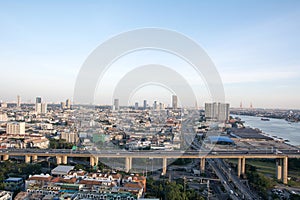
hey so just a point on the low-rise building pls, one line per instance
(13, 184)
(72, 184)
(15, 128)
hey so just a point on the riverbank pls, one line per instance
(276, 128)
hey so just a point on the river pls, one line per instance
(275, 127)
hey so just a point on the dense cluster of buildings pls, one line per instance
(67, 183)
(155, 127)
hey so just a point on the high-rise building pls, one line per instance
(18, 101)
(44, 108)
(174, 102)
(217, 111)
(68, 104)
(145, 105)
(116, 104)
(39, 106)
(38, 100)
(161, 106)
(155, 105)
(63, 105)
(15, 128)
(223, 111)
(136, 106)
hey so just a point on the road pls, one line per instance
(155, 154)
(236, 181)
(228, 187)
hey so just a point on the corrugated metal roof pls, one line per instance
(62, 169)
(215, 139)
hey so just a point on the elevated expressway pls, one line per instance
(62, 156)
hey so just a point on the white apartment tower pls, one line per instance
(15, 128)
(116, 105)
(39, 106)
(217, 111)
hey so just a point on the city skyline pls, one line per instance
(254, 46)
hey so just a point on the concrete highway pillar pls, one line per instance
(243, 166)
(202, 165)
(128, 164)
(27, 159)
(34, 158)
(92, 161)
(285, 170)
(164, 168)
(65, 160)
(58, 160)
(239, 167)
(279, 168)
(5, 157)
(96, 159)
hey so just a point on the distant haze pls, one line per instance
(255, 46)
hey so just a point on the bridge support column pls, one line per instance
(96, 159)
(243, 166)
(202, 165)
(285, 170)
(164, 168)
(279, 168)
(27, 159)
(34, 158)
(65, 160)
(128, 164)
(5, 157)
(93, 161)
(239, 167)
(58, 160)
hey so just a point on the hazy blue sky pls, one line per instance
(254, 44)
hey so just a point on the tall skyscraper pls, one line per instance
(217, 111)
(136, 106)
(44, 108)
(161, 106)
(155, 105)
(63, 105)
(68, 104)
(18, 101)
(174, 102)
(39, 106)
(38, 100)
(116, 104)
(223, 111)
(145, 105)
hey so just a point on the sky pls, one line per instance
(255, 46)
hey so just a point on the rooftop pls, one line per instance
(13, 179)
(62, 170)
